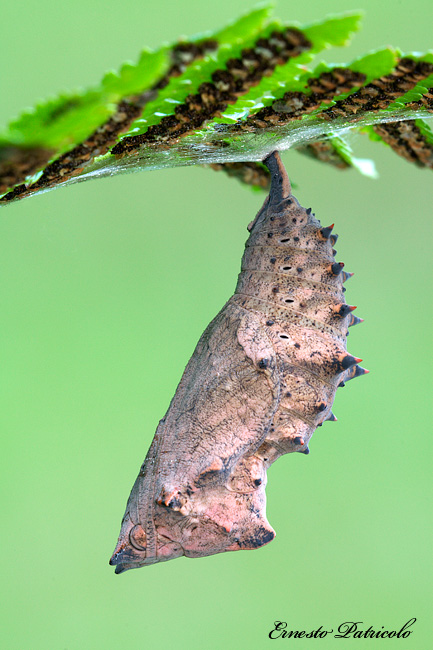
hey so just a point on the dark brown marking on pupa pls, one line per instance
(262, 378)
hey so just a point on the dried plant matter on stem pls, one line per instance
(262, 378)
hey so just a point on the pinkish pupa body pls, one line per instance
(262, 378)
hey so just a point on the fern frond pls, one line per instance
(226, 98)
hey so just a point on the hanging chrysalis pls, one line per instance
(262, 378)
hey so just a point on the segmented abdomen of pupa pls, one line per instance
(262, 378)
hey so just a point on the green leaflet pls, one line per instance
(336, 151)
(374, 65)
(179, 88)
(244, 33)
(242, 28)
(269, 89)
(420, 89)
(426, 131)
(133, 78)
(334, 31)
(410, 139)
(58, 123)
(66, 120)
(365, 166)
(373, 136)
(423, 126)
(331, 32)
(292, 77)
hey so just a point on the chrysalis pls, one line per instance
(262, 378)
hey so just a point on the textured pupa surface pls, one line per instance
(262, 378)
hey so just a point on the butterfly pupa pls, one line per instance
(262, 378)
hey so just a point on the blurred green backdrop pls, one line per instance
(106, 287)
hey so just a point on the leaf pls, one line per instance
(415, 94)
(293, 77)
(375, 64)
(240, 29)
(253, 174)
(226, 97)
(337, 152)
(59, 122)
(69, 118)
(133, 78)
(334, 31)
(244, 33)
(410, 139)
(426, 131)
(363, 165)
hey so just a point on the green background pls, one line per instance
(106, 287)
